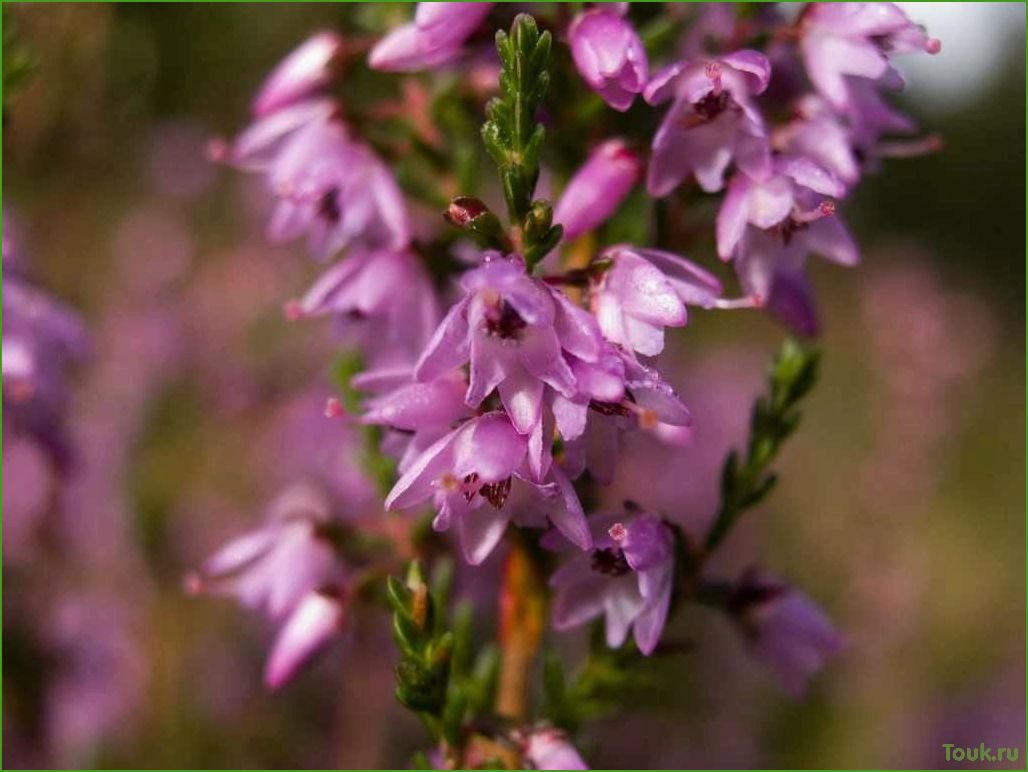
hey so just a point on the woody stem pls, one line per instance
(522, 619)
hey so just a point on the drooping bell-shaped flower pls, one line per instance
(784, 630)
(271, 568)
(597, 189)
(627, 577)
(841, 42)
(387, 290)
(517, 333)
(480, 477)
(435, 37)
(712, 121)
(645, 290)
(609, 55)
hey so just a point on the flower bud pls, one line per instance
(306, 70)
(471, 214)
(609, 55)
(598, 188)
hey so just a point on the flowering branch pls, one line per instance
(774, 417)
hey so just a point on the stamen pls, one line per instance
(449, 483)
(824, 209)
(753, 301)
(334, 408)
(618, 532)
(913, 148)
(713, 73)
(933, 46)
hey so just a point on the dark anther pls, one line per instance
(610, 562)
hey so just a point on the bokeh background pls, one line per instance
(901, 506)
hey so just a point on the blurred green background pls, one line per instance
(901, 505)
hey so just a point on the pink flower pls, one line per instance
(273, 567)
(518, 335)
(335, 191)
(316, 620)
(767, 202)
(549, 748)
(784, 630)
(597, 189)
(712, 121)
(307, 70)
(844, 41)
(609, 55)
(435, 37)
(645, 290)
(480, 477)
(388, 291)
(626, 577)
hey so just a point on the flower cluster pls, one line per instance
(505, 363)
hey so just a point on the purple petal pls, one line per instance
(416, 484)
(480, 531)
(305, 633)
(540, 353)
(493, 449)
(448, 347)
(522, 396)
(732, 216)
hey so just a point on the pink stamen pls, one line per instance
(933, 45)
(726, 304)
(824, 209)
(334, 408)
(218, 150)
(933, 143)
(618, 532)
(713, 73)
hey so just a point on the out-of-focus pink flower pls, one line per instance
(609, 55)
(784, 630)
(435, 37)
(549, 748)
(597, 189)
(388, 289)
(766, 202)
(273, 567)
(480, 478)
(627, 577)
(844, 41)
(42, 340)
(335, 191)
(305, 71)
(518, 334)
(316, 620)
(645, 290)
(819, 134)
(712, 121)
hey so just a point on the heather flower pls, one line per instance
(388, 290)
(304, 72)
(844, 41)
(712, 121)
(273, 567)
(597, 189)
(626, 577)
(593, 428)
(42, 339)
(418, 413)
(645, 290)
(763, 258)
(435, 37)
(336, 191)
(316, 620)
(768, 202)
(480, 477)
(784, 630)
(517, 333)
(819, 134)
(548, 748)
(609, 55)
